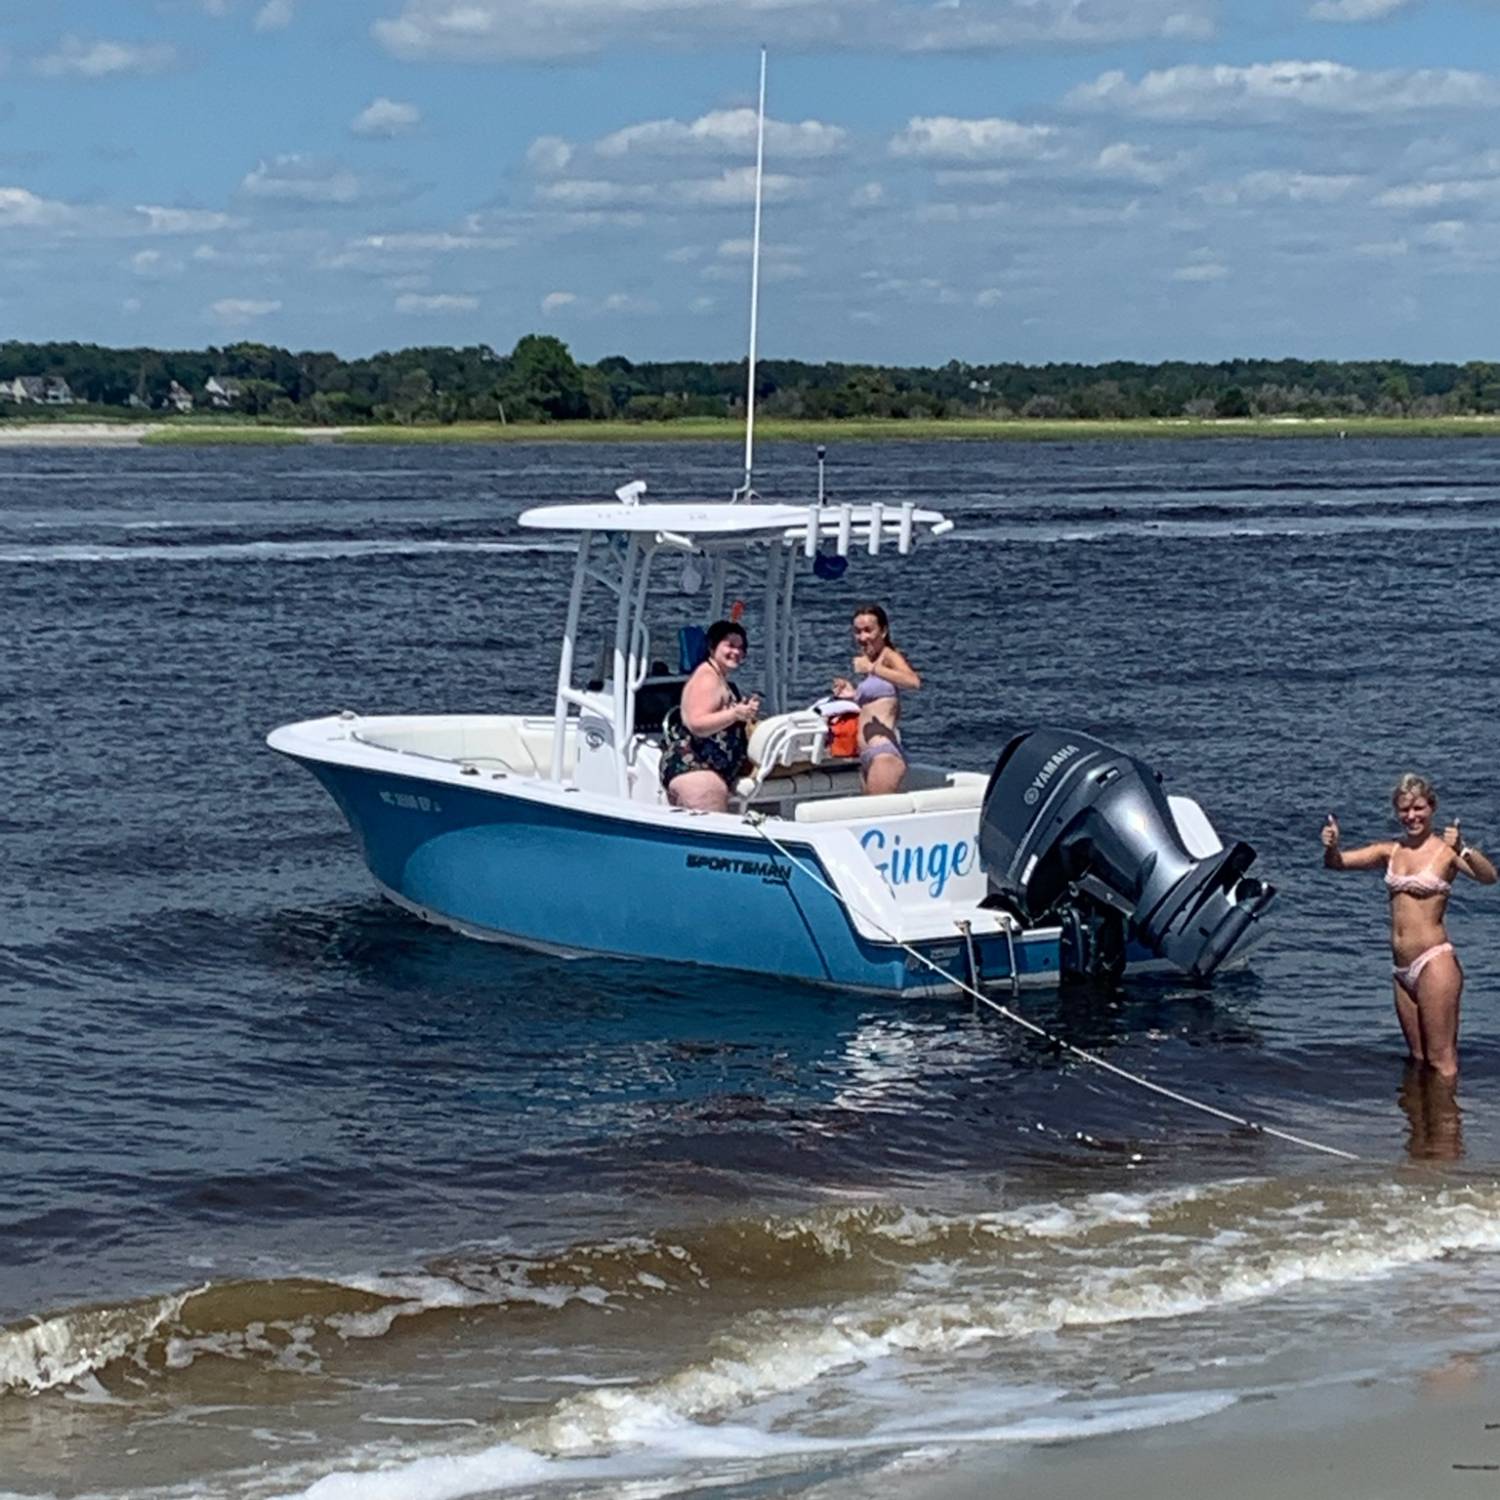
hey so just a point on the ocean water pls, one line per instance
(299, 1197)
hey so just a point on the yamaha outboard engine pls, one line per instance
(1082, 833)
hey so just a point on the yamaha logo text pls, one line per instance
(1032, 795)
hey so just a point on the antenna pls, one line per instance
(745, 492)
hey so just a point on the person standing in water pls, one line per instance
(884, 674)
(1420, 868)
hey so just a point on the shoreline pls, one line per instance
(105, 434)
(1431, 1433)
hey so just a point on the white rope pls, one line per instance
(757, 822)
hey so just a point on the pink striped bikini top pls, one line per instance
(1423, 883)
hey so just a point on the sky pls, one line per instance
(979, 180)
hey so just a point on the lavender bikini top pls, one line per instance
(872, 687)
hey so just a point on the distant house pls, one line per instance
(223, 390)
(41, 390)
(178, 398)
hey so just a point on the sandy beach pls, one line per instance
(73, 434)
(1436, 1434)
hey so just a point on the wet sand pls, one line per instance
(1434, 1435)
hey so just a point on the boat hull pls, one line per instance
(564, 879)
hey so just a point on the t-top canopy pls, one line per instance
(788, 523)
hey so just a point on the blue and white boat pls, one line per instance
(551, 829)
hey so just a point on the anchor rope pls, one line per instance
(757, 822)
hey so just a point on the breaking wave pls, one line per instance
(834, 1287)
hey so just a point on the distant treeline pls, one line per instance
(540, 381)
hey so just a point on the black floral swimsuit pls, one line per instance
(722, 752)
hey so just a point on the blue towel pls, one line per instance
(692, 647)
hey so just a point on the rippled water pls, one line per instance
(292, 1187)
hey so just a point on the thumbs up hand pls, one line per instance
(1330, 833)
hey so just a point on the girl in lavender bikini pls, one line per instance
(883, 675)
(1419, 872)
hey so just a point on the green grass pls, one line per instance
(721, 429)
(725, 429)
(780, 429)
(198, 436)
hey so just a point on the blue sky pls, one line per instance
(946, 179)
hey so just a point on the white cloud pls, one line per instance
(1210, 270)
(724, 132)
(300, 179)
(990, 296)
(239, 257)
(387, 118)
(275, 15)
(182, 220)
(238, 311)
(20, 208)
(624, 302)
(1280, 90)
(867, 195)
(774, 270)
(437, 242)
(77, 58)
(549, 155)
(741, 248)
(734, 187)
(437, 302)
(1296, 187)
(556, 301)
(153, 265)
(1420, 195)
(946, 138)
(486, 30)
(1124, 160)
(1355, 10)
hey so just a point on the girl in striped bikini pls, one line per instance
(1420, 869)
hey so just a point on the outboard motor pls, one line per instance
(1082, 833)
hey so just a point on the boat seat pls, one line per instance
(835, 779)
(943, 798)
(856, 809)
(786, 748)
(964, 791)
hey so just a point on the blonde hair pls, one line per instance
(1412, 785)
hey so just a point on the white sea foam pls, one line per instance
(1396, 1230)
(63, 1349)
(1225, 529)
(668, 1442)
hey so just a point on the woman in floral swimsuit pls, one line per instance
(702, 759)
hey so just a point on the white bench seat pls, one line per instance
(964, 791)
